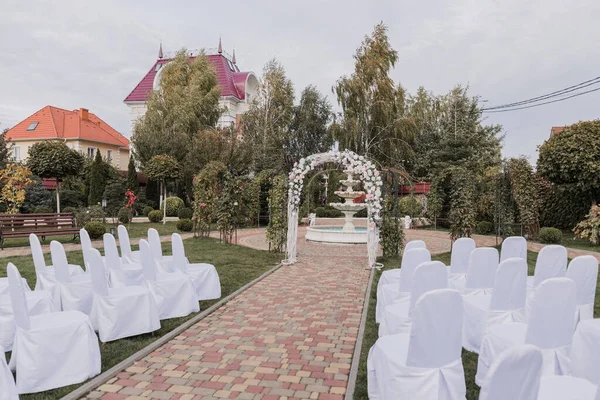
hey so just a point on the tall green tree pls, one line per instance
(53, 159)
(163, 168)
(97, 180)
(5, 149)
(132, 179)
(267, 122)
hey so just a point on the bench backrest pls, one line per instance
(34, 222)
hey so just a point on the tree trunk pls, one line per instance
(165, 202)
(57, 196)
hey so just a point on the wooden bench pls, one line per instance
(47, 224)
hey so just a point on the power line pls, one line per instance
(549, 95)
(541, 104)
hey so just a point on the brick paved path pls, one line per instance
(292, 336)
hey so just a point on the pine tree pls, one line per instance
(97, 180)
(132, 180)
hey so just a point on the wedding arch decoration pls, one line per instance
(349, 161)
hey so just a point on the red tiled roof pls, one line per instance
(58, 123)
(232, 83)
(556, 129)
(417, 188)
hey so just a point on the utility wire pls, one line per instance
(549, 95)
(541, 104)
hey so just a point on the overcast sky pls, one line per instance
(74, 54)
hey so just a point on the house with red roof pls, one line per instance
(237, 88)
(80, 129)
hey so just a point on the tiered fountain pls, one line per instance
(348, 233)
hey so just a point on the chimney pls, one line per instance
(83, 114)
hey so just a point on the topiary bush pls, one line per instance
(68, 209)
(124, 215)
(485, 228)
(185, 213)
(550, 235)
(185, 225)
(174, 204)
(328, 212)
(147, 210)
(95, 229)
(155, 216)
(42, 210)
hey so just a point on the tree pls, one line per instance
(5, 149)
(53, 159)
(36, 195)
(267, 122)
(132, 179)
(163, 168)
(572, 157)
(525, 193)
(374, 123)
(16, 179)
(97, 180)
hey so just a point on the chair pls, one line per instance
(45, 273)
(513, 246)
(398, 280)
(72, 292)
(4, 287)
(414, 244)
(393, 275)
(121, 274)
(397, 317)
(51, 350)
(8, 389)
(127, 254)
(119, 312)
(481, 270)
(551, 263)
(583, 270)
(425, 363)
(550, 327)
(505, 304)
(459, 258)
(173, 292)
(156, 248)
(204, 276)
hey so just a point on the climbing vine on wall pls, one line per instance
(277, 229)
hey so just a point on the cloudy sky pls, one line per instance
(74, 54)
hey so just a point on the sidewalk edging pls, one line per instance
(114, 370)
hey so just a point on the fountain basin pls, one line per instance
(335, 234)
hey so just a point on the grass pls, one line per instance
(236, 266)
(568, 240)
(469, 359)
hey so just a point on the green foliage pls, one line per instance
(435, 199)
(207, 188)
(550, 235)
(174, 204)
(462, 210)
(185, 225)
(72, 198)
(328, 212)
(485, 228)
(42, 210)
(277, 229)
(97, 180)
(562, 206)
(185, 213)
(147, 210)
(124, 215)
(95, 229)
(115, 198)
(410, 205)
(84, 215)
(163, 167)
(69, 209)
(391, 234)
(228, 208)
(589, 228)
(5, 149)
(132, 180)
(155, 216)
(525, 193)
(36, 196)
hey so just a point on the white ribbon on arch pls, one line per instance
(350, 161)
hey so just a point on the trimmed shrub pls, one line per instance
(328, 212)
(174, 204)
(95, 229)
(185, 225)
(72, 198)
(485, 228)
(185, 213)
(69, 209)
(155, 216)
(42, 210)
(550, 235)
(147, 210)
(124, 215)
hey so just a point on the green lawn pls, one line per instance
(236, 266)
(568, 240)
(370, 336)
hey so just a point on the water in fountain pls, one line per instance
(348, 207)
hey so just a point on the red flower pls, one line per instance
(360, 199)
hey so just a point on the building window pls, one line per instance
(16, 153)
(109, 155)
(32, 126)
(91, 151)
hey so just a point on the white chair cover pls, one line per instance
(127, 254)
(73, 292)
(551, 263)
(84, 238)
(505, 304)
(393, 282)
(583, 270)
(156, 248)
(481, 270)
(45, 279)
(120, 274)
(204, 276)
(513, 247)
(425, 364)
(567, 387)
(414, 244)
(550, 327)
(585, 352)
(515, 375)
(173, 292)
(4, 287)
(397, 317)
(459, 258)
(50, 350)
(120, 312)
(8, 389)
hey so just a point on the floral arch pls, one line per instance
(359, 165)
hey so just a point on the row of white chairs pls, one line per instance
(53, 327)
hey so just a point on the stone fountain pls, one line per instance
(349, 207)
